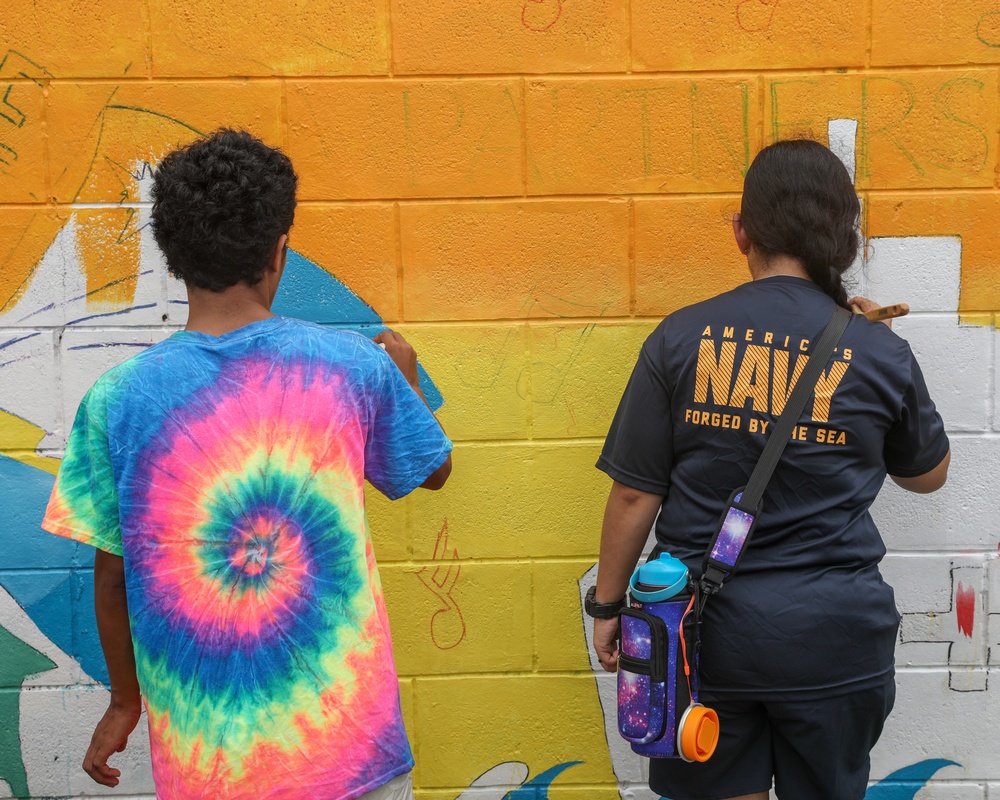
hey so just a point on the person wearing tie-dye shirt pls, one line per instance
(220, 475)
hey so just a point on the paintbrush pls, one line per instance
(884, 312)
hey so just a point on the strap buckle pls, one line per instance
(711, 580)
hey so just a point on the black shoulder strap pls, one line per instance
(740, 517)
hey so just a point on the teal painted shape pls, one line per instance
(35, 589)
(54, 578)
(538, 787)
(903, 784)
(309, 292)
(26, 491)
(20, 660)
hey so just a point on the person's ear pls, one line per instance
(740, 234)
(277, 265)
(279, 255)
(275, 268)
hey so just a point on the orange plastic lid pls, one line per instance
(699, 733)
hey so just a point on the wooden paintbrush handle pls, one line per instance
(885, 312)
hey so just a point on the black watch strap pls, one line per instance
(601, 610)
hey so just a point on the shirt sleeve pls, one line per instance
(405, 444)
(916, 442)
(84, 501)
(638, 451)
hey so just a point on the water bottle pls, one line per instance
(658, 709)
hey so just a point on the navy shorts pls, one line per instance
(813, 750)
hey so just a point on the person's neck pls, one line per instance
(762, 266)
(218, 313)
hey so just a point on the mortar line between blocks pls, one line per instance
(936, 669)
(414, 705)
(529, 400)
(416, 564)
(991, 410)
(996, 142)
(46, 156)
(389, 57)
(60, 384)
(584, 674)
(549, 443)
(524, 136)
(869, 25)
(567, 197)
(398, 235)
(147, 23)
(986, 553)
(283, 114)
(683, 75)
(761, 83)
(628, 37)
(651, 318)
(633, 300)
(532, 596)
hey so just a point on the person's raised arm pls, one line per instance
(628, 517)
(111, 607)
(928, 482)
(933, 479)
(405, 357)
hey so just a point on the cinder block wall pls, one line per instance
(523, 188)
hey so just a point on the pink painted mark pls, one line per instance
(540, 15)
(447, 623)
(755, 16)
(965, 608)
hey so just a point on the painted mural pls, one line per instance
(524, 189)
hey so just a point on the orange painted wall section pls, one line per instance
(524, 188)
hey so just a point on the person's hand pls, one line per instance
(111, 736)
(863, 304)
(606, 643)
(402, 354)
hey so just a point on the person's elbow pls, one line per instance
(439, 477)
(109, 573)
(630, 497)
(928, 482)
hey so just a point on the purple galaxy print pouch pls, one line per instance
(641, 678)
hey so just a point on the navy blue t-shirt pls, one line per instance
(807, 613)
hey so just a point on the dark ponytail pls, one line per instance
(798, 200)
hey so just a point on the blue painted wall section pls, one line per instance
(537, 788)
(307, 291)
(903, 784)
(51, 578)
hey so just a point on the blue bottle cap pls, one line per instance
(663, 578)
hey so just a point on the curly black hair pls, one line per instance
(798, 199)
(219, 207)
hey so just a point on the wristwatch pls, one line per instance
(601, 610)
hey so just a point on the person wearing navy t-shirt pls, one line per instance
(797, 649)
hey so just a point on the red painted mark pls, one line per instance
(755, 16)
(965, 609)
(447, 623)
(541, 15)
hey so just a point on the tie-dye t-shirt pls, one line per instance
(229, 471)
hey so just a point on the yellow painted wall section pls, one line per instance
(524, 188)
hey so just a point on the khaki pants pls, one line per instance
(399, 788)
